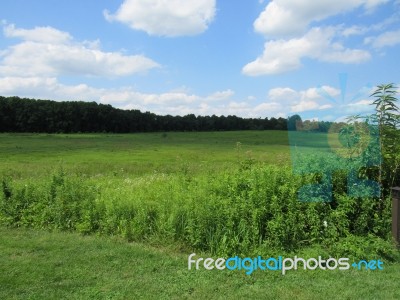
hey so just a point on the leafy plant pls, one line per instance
(387, 118)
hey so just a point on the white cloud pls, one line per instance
(291, 33)
(362, 29)
(283, 94)
(386, 39)
(361, 102)
(328, 91)
(326, 106)
(38, 34)
(282, 56)
(166, 17)
(354, 30)
(304, 100)
(372, 4)
(269, 107)
(292, 17)
(289, 95)
(360, 107)
(47, 52)
(304, 106)
(220, 96)
(46, 88)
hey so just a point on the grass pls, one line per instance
(171, 175)
(33, 155)
(51, 265)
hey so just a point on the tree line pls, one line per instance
(47, 116)
(30, 115)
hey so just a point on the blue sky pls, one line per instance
(250, 58)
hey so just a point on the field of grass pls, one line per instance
(43, 265)
(30, 155)
(171, 194)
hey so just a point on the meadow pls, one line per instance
(27, 155)
(162, 196)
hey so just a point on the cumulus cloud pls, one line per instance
(166, 17)
(287, 101)
(268, 107)
(38, 34)
(304, 106)
(360, 107)
(303, 100)
(354, 30)
(292, 17)
(46, 51)
(292, 33)
(46, 88)
(284, 94)
(220, 96)
(386, 39)
(282, 56)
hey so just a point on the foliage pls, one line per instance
(254, 210)
(294, 122)
(28, 115)
(388, 118)
(387, 121)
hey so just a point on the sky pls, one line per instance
(250, 58)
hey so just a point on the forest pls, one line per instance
(47, 116)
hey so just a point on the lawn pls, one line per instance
(51, 265)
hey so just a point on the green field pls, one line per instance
(100, 216)
(29, 155)
(42, 265)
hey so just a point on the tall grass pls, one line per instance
(253, 209)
